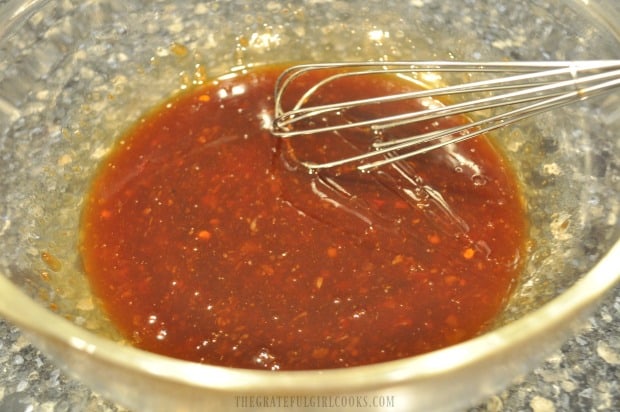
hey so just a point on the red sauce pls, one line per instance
(205, 240)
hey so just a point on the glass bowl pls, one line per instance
(75, 74)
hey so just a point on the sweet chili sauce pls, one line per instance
(205, 239)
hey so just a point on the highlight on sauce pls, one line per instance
(205, 240)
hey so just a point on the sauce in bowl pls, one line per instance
(205, 240)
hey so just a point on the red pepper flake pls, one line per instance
(267, 270)
(51, 261)
(401, 204)
(434, 238)
(398, 259)
(378, 202)
(319, 353)
(469, 253)
(204, 235)
(105, 214)
(332, 252)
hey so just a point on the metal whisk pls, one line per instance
(510, 91)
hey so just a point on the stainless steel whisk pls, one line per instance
(514, 90)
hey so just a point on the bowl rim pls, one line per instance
(34, 318)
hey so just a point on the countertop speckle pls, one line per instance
(583, 375)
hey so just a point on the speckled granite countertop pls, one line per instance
(583, 375)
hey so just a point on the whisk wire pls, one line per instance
(528, 88)
(530, 94)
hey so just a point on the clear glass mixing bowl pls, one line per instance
(74, 74)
